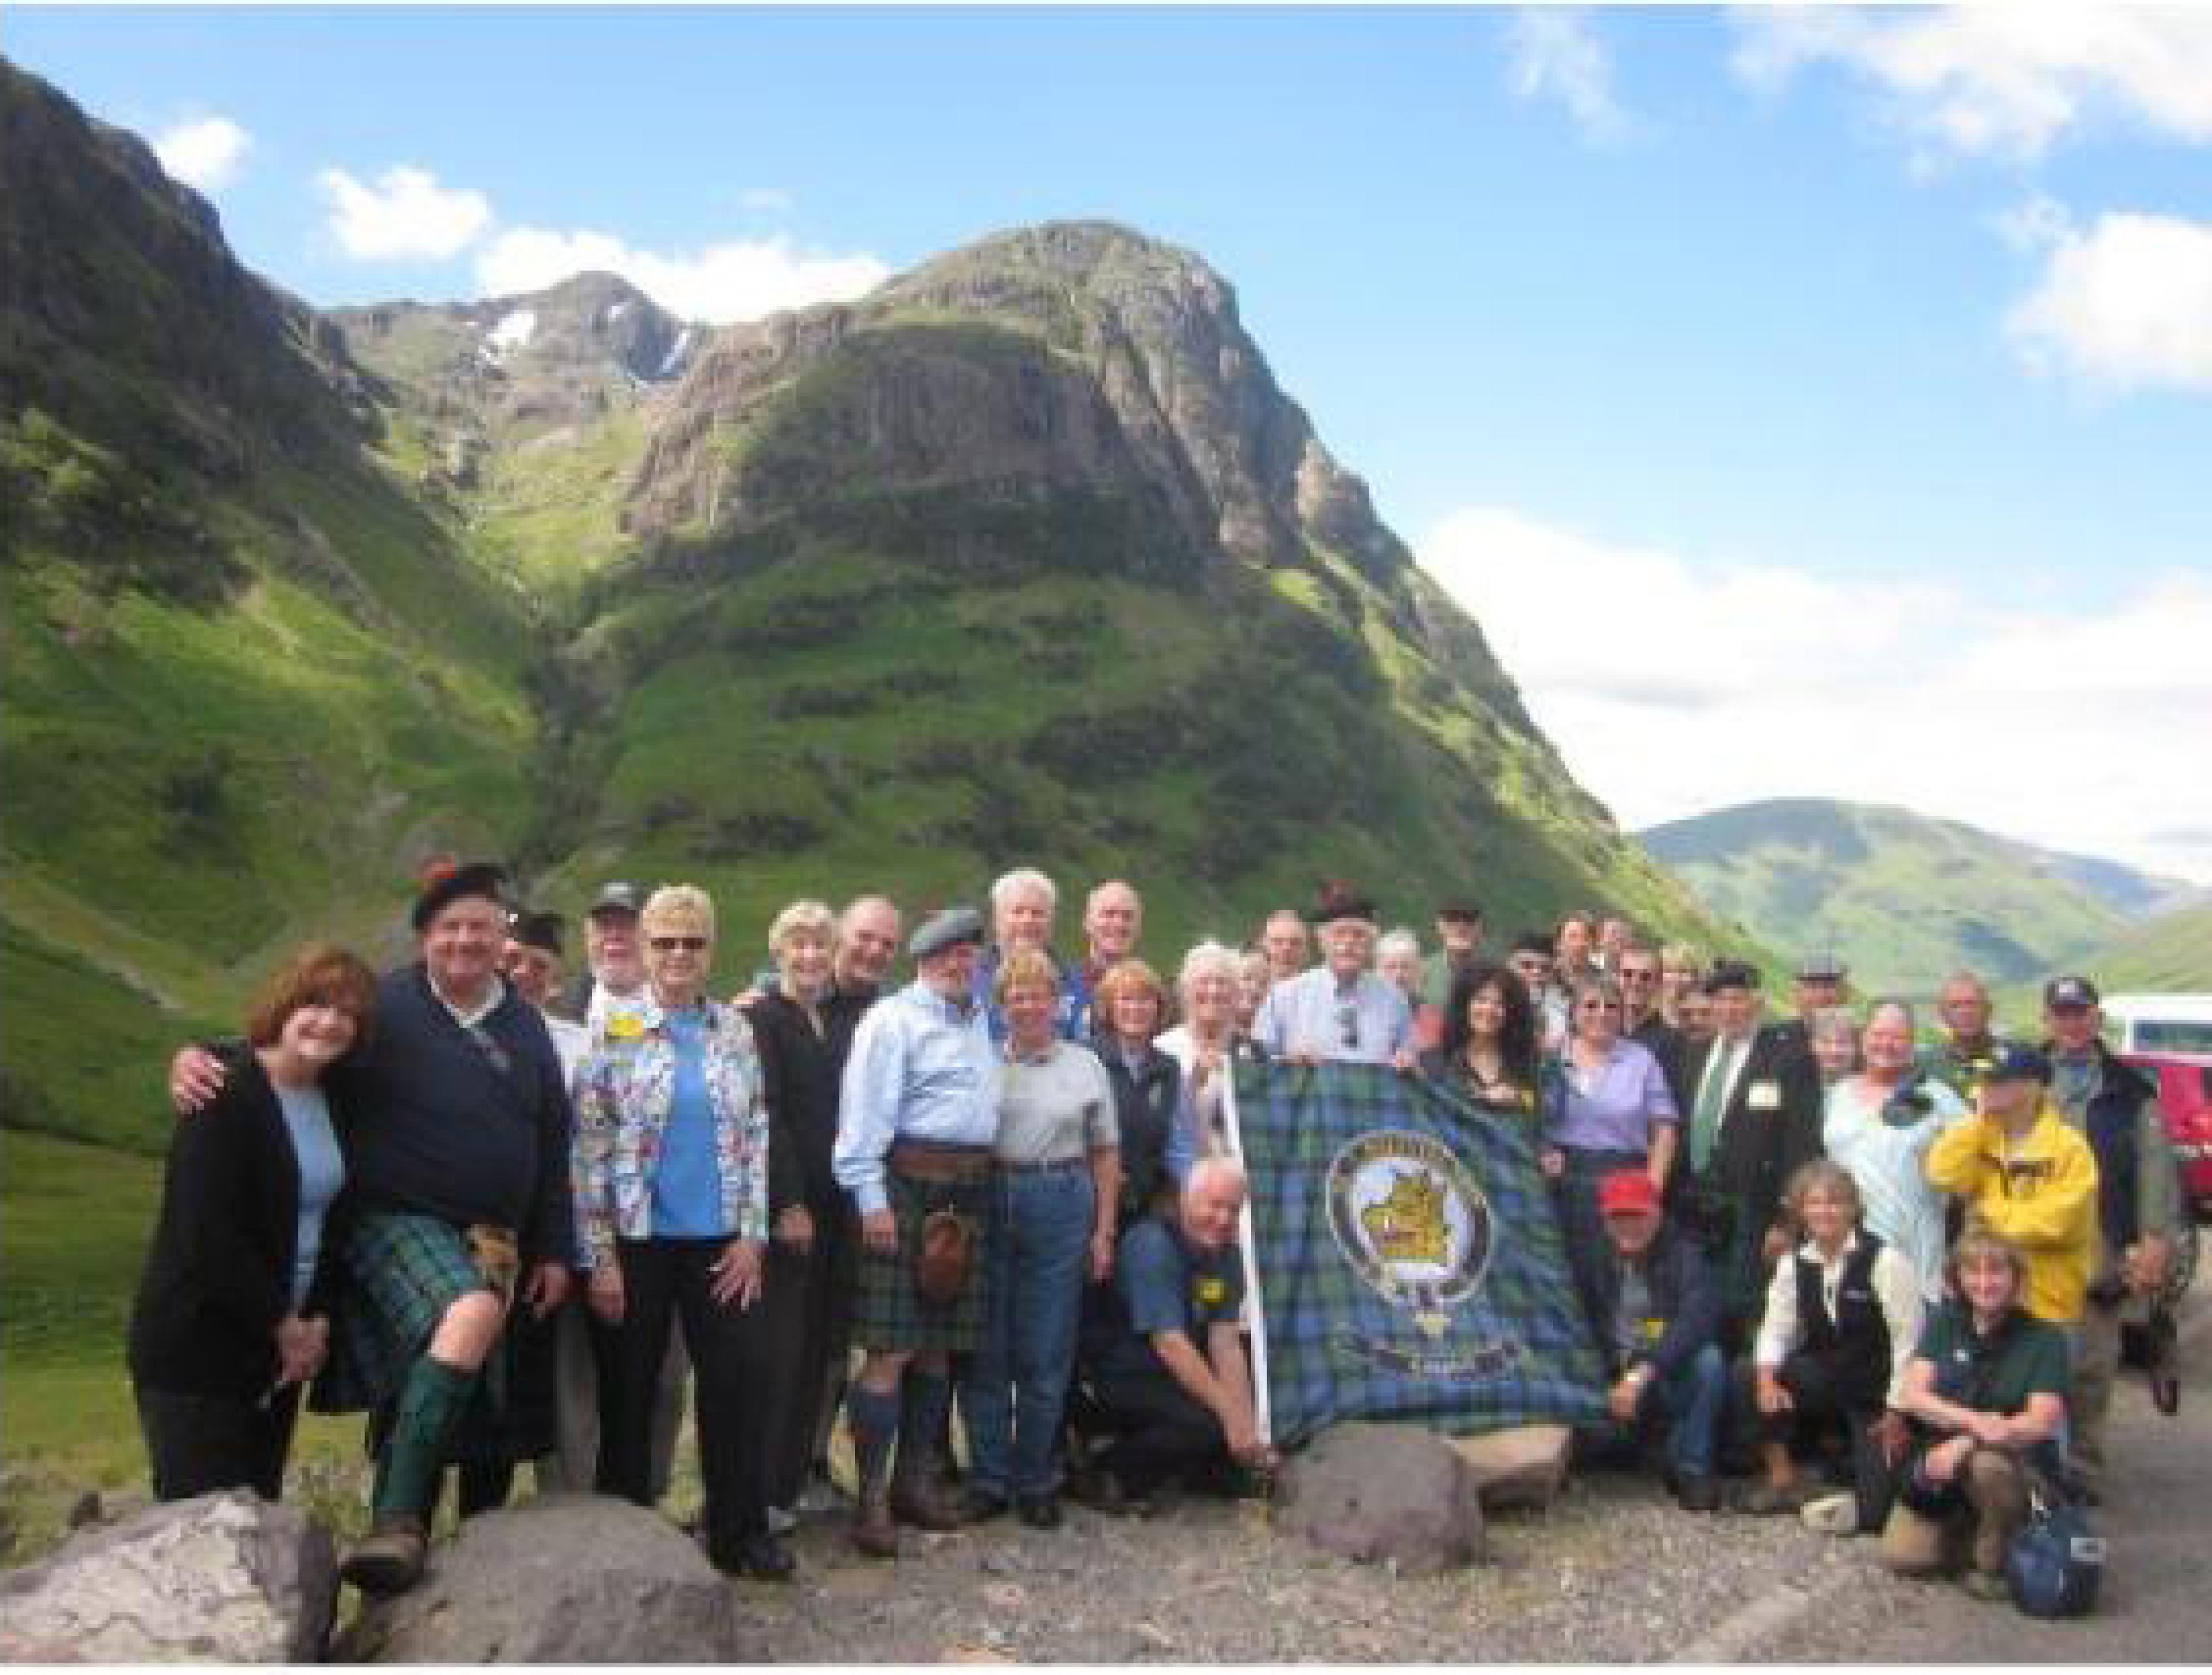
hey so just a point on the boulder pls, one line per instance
(1385, 1493)
(1523, 1468)
(224, 1578)
(563, 1579)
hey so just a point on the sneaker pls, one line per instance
(1832, 1514)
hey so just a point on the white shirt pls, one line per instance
(1896, 1290)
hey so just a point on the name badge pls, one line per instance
(1654, 1330)
(1211, 1293)
(1765, 1095)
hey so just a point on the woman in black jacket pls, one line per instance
(229, 1323)
(1129, 1007)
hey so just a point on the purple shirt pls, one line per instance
(1626, 1098)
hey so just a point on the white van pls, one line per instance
(2159, 1024)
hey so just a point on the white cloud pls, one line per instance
(2006, 81)
(742, 279)
(1673, 685)
(2126, 304)
(206, 153)
(769, 200)
(405, 213)
(1558, 54)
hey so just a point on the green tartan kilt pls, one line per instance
(888, 1313)
(399, 1274)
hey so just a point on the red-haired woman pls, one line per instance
(229, 1323)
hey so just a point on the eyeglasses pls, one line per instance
(671, 944)
(1629, 974)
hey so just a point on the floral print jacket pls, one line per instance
(624, 1089)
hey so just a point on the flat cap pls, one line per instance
(945, 929)
(2069, 994)
(1826, 966)
(445, 884)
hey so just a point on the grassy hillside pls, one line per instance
(1906, 899)
(2172, 952)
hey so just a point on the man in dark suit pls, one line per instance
(1754, 1117)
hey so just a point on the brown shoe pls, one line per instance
(920, 1503)
(873, 1532)
(389, 1559)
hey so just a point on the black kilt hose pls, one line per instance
(889, 1312)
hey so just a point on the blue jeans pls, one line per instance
(1017, 1389)
(1692, 1398)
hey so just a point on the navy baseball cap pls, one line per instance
(2020, 1063)
(2069, 994)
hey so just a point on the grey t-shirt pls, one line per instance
(1055, 1109)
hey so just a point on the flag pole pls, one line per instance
(1248, 1247)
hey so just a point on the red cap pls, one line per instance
(1627, 1193)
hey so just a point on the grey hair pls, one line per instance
(1022, 878)
(1207, 956)
(1900, 1005)
(1399, 941)
(1227, 1170)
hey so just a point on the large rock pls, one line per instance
(566, 1578)
(223, 1578)
(1523, 1468)
(1385, 1493)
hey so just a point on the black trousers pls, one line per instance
(733, 1364)
(1159, 1430)
(1824, 1404)
(197, 1442)
(811, 1326)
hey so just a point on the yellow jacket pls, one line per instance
(2039, 1192)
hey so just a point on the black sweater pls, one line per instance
(800, 1074)
(440, 1129)
(218, 1274)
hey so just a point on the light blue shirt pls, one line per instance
(922, 1068)
(687, 1184)
(322, 1175)
(1370, 1023)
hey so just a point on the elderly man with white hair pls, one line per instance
(1167, 1381)
(1342, 1010)
(1023, 904)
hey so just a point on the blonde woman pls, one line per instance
(670, 1168)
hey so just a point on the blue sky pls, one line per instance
(1803, 322)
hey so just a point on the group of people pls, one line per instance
(510, 1216)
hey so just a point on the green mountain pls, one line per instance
(2171, 953)
(1025, 557)
(1906, 899)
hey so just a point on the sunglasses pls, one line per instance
(671, 944)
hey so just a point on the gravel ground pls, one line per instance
(1614, 1572)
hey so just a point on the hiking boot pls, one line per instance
(980, 1506)
(1041, 1512)
(918, 1501)
(390, 1558)
(1696, 1491)
(873, 1533)
(1768, 1499)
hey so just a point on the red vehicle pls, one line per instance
(2185, 1099)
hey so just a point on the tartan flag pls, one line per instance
(1405, 1262)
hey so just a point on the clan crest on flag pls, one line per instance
(1404, 1258)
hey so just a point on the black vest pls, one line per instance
(1853, 1344)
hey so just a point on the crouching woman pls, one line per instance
(1986, 1391)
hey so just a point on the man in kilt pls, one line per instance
(916, 1120)
(457, 1151)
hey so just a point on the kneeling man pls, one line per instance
(1170, 1382)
